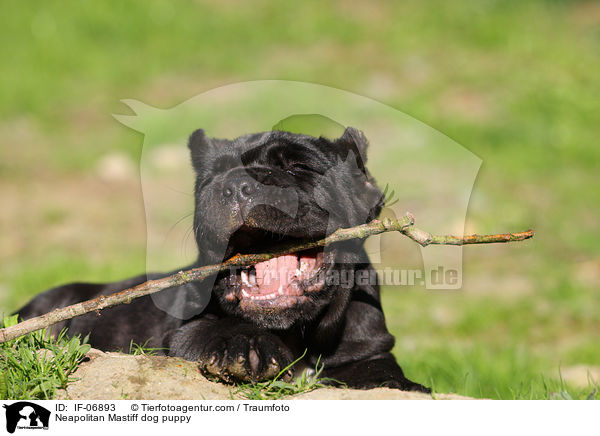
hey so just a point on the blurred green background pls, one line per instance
(515, 82)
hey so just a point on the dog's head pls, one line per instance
(259, 191)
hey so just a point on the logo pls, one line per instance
(426, 167)
(26, 415)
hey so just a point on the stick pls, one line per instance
(404, 225)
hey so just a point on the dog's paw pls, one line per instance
(243, 357)
(372, 373)
(405, 385)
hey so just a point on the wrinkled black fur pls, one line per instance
(329, 188)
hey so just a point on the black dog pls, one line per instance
(253, 194)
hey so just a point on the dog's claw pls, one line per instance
(255, 358)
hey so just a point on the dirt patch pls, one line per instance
(114, 376)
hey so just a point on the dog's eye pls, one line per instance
(298, 168)
(202, 185)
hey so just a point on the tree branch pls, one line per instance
(404, 225)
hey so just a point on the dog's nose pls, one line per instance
(239, 188)
(248, 194)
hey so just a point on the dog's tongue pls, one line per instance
(275, 273)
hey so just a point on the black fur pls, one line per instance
(251, 194)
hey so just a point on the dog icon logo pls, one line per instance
(26, 415)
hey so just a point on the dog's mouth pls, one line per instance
(281, 282)
(290, 274)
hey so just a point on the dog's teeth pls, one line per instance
(303, 265)
(253, 277)
(263, 297)
(280, 290)
(298, 272)
(245, 278)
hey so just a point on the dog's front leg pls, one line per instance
(362, 357)
(230, 349)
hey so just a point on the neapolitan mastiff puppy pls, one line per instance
(252, 194)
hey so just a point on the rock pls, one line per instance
(373, 394)
(114, 376)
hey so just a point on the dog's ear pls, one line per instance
(198, 145)
(356, 141)
(356, 138)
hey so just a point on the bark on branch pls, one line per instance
(404, 225)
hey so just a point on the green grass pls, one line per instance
(514, 82)
(34, 366)
(505, 374)
(486, 348)
(277, 388)
(143, 349)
